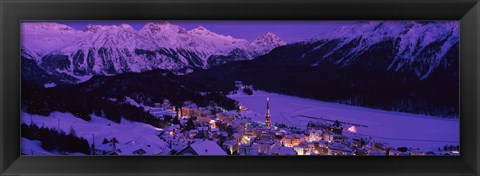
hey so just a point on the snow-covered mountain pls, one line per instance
(99, 49)
(400, 46)
(407, 66)
(269, 40)
(260, 46)
(39, 39)
(415, 46)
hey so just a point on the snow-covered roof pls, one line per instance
(224, 133)
(161, 111)
(374, 152)
(207, 147)
(236, 135)
(283, 150)
(340, 147)
(189, 104)
(202, 128)
(230, 143)
(265, 142)
(151, 146)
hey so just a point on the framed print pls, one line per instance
(89, 88)
(240, 87)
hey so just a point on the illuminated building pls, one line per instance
(186, 112)
(382, 147)
(331, 137)
(291, 140)
(266, 137)
(305, 148)
(248, 149)
(339, 149)
(213, 124)
(231, 146)
(264, 147)
(321, 148)
(267, 115)
(315, 135)
(336, 127)
(225, 117)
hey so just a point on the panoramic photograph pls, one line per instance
(246, 88)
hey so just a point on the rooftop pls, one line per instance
(207, 147)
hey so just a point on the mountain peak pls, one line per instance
(268, 41)
(162, 26)
(158, 23)
(125, 26)
(271, 34)
(96, 28)
(157, 45)
(200, 30)
(47, 27)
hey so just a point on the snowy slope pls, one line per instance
(120, 48)
(33, 147)
(131, 135)
(39, 39)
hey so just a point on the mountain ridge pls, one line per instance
(114, 49)
(362, 71)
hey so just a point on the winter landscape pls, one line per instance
(382, 88)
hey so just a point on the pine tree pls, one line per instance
(114, 142)
(72, 132)
(190, 124)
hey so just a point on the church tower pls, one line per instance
(267, 115)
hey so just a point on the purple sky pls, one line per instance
(289, 31)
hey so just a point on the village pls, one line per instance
(301, 97)
(197, 130)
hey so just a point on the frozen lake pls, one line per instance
(396, 128)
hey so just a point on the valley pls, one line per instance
(366, 88)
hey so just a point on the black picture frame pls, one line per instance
(13, 11)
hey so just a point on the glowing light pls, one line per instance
(212, 124)
(352, 129)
